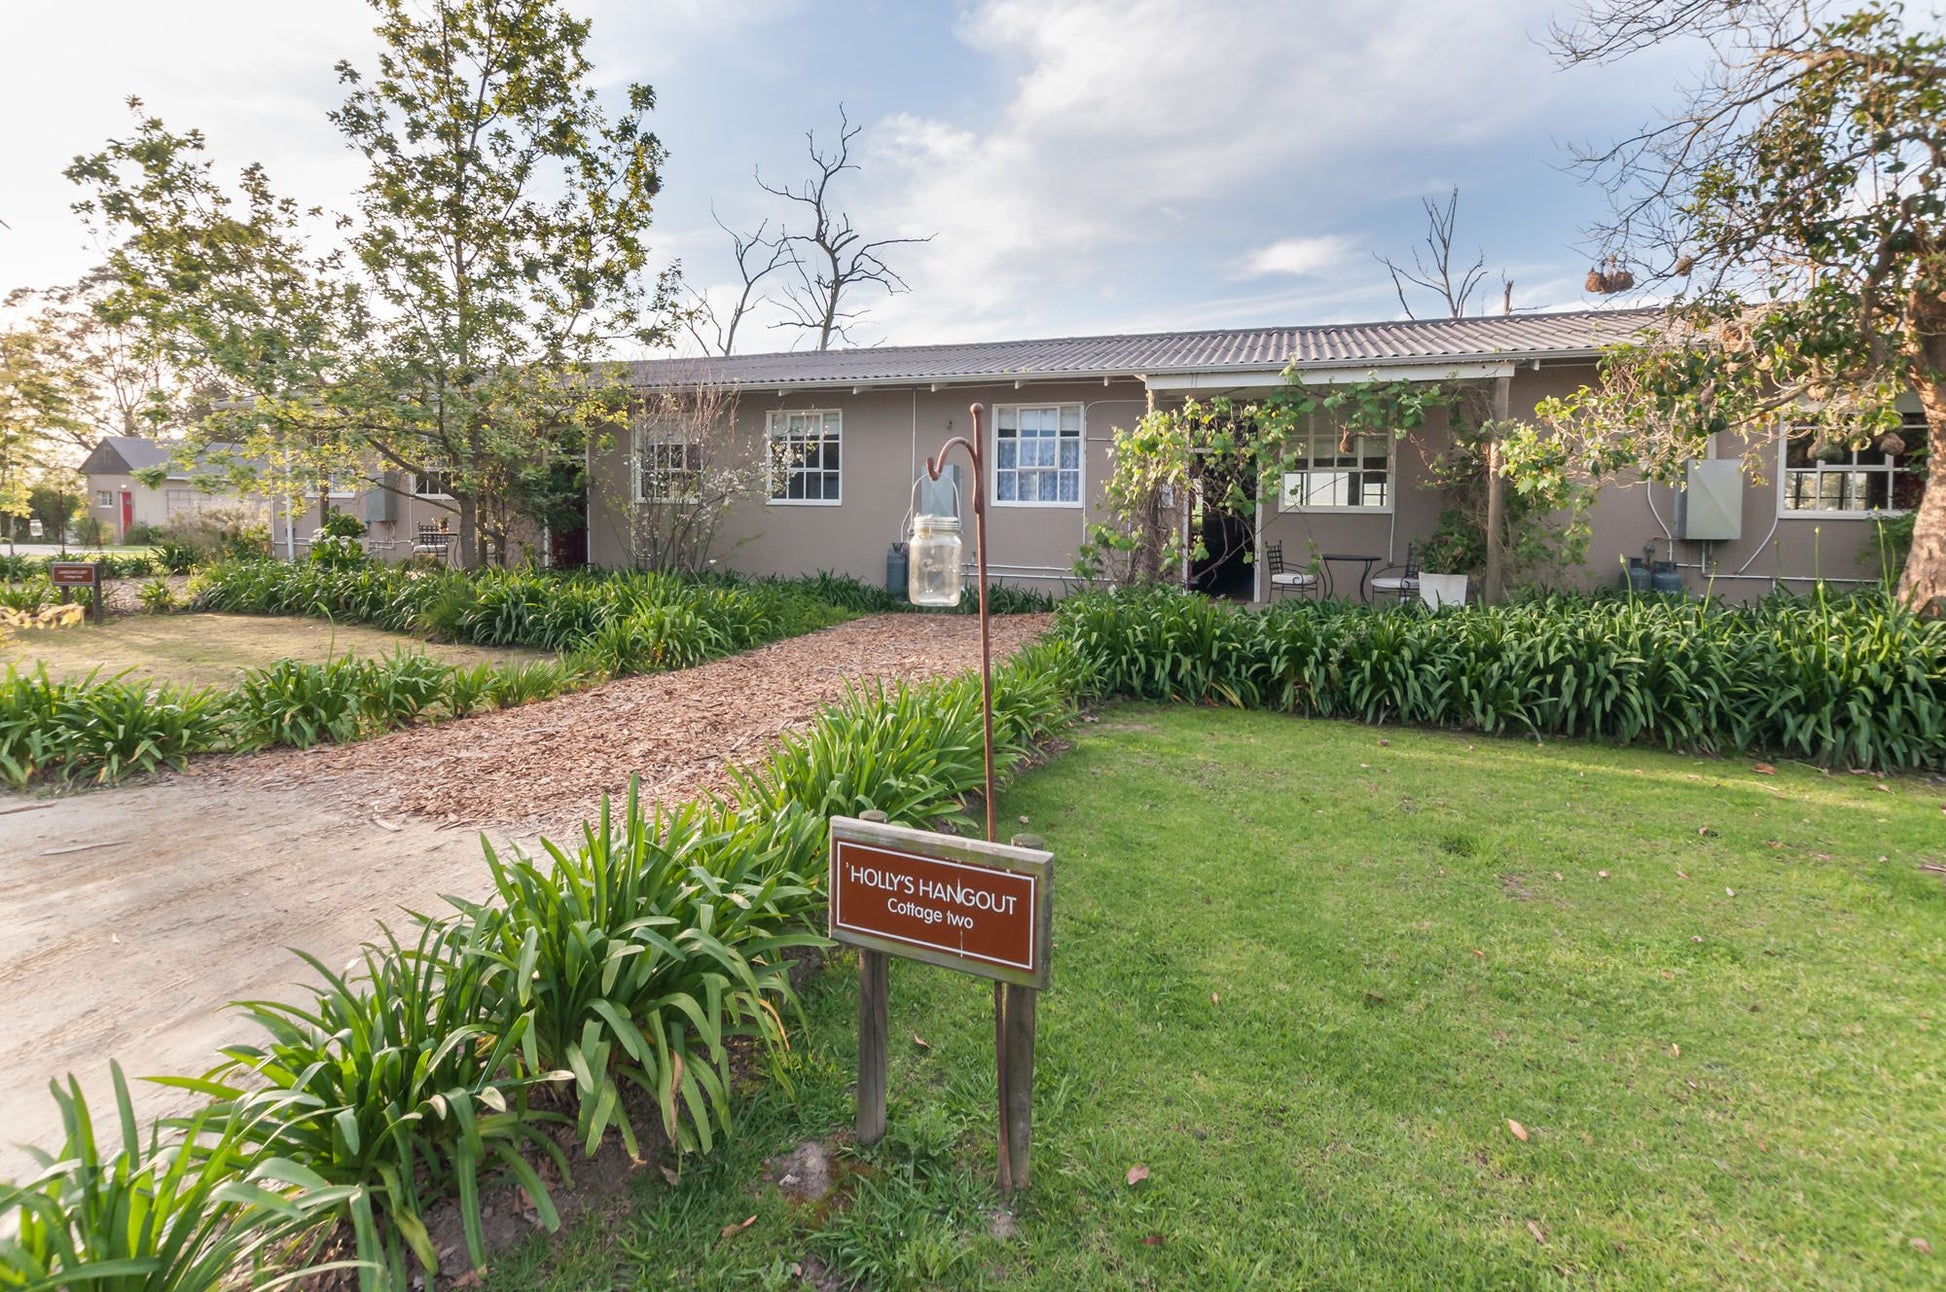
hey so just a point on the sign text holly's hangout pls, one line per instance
(982, 908)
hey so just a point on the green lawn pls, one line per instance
(211, 650)
(1306, 974)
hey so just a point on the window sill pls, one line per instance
(1037, 506)
(803, 502)
(1334, 511)
(1888, 513)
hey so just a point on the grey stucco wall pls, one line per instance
(886, 438)
(887, 435)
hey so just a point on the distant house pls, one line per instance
(403, 514)
(847, 433)
(120, 501)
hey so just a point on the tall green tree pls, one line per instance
(40, 415)
(502, 236)
(215, 287)
(1797, 203)
(496, 252)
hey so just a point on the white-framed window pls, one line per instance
(1838, 480)
(804, 456)
(1331, 471)
(432, 484)
(668, 465)
(104, 497)
(1037, 455)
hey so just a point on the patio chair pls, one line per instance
(1282, 577)
(1400, 582)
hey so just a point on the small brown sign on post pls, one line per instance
(67, 575)
(981, 908)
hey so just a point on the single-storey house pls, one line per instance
(404, 513)
(121, 502)
(844, 436)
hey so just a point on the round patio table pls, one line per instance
(1365, 564)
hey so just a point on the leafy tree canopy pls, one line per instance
(1794, 202)
(456, 321)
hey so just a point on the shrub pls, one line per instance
(298, 704)
(633, 964)
(399, 1086)
(102, 731)
(142, 534)
(180, 1214)
(31, 595)
(157, 597)
(1859, 680)
(177, 558)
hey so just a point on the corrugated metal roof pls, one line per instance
(1565, 335)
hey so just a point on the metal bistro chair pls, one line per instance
(1282, 577)
(1403, 585)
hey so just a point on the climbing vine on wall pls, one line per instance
(1242, 449)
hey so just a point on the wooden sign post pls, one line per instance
(981, 908)
(67, 575)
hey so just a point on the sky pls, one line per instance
(1080, 166)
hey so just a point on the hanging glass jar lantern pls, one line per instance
(933, 575)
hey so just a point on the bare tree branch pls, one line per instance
(832, 259)
(1438, 277)
(721, 337)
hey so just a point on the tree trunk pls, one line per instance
(1923, 586)
(469, 532)
(1496, 572)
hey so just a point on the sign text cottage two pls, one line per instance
(981, 908)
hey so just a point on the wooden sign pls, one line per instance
(67, 575)
(981, 908)
(74, 574)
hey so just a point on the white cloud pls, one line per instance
(1148, 139)
(1301, 256)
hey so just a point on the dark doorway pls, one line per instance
(1223, 532)
(567, 544)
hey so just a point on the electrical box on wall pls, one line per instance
(1709, 506)
(382, 503)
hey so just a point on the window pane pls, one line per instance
(1071, 418)
(1070, 454)
(1070, 487)
(1005, 486)
(1007, 455)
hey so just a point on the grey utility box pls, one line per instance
(382, 500)
(1709, 507)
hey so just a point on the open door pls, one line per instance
(1223, 532)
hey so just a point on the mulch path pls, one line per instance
(544, 767)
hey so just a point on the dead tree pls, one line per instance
(717, 334)
(1454, 288)
(1454, 285)
(832, 259)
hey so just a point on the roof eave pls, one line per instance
(1018, 378)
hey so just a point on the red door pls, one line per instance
(128, 513)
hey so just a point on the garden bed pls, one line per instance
(543, 767)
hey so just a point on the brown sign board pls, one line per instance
(981, 908)
(74, 574)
